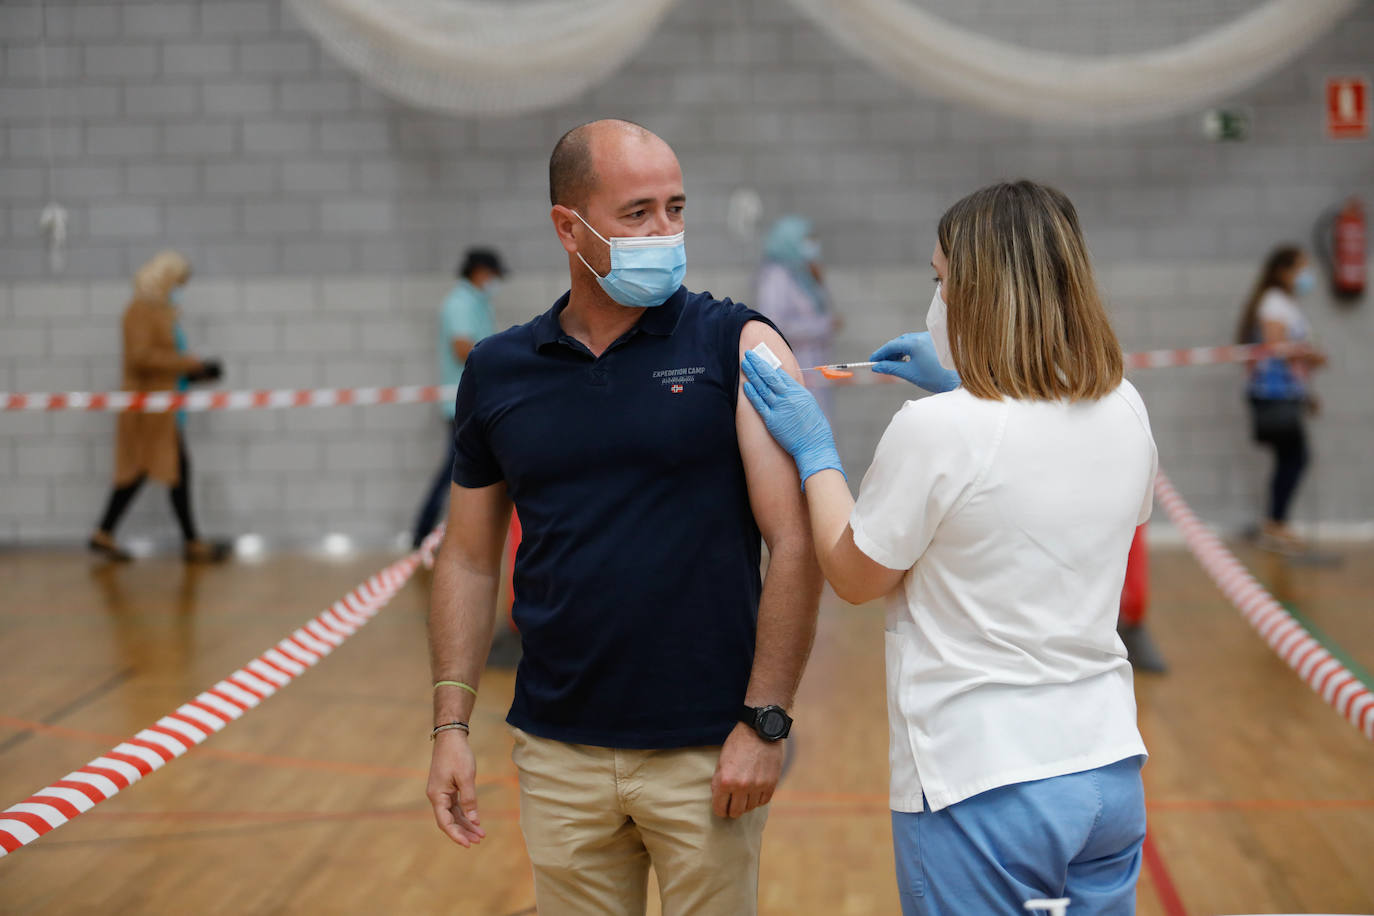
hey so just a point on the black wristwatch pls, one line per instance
(771, 722)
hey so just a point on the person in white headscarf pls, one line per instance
(791, 291)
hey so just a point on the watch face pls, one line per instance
(772, 723)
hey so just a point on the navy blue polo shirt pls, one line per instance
(637, 580)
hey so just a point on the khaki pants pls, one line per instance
(594, 818)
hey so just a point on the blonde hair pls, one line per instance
(1025, 319)
(164, 271)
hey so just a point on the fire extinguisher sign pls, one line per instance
(1347, 107)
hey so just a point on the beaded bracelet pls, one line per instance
(448, 727)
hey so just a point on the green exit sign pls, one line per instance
(1226, 124)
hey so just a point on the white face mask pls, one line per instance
(939, 330)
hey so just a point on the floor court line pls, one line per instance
(782, 808)
(1163, 882)
(829, 802)
(1153, 863)
(99, 690)
(1303, 653)
(1330, 645)
(270, 760)
(789, 804)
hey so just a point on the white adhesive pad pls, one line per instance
(767, 355)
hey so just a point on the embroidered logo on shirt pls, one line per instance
(677, 380)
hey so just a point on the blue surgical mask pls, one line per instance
(811, 250)
(174, 296)
(645, 270)
(491, 287)
(1304, 282)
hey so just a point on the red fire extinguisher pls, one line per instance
(1341, 242)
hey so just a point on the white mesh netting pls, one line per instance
(930, 55)
(482, 56)
(500, 56)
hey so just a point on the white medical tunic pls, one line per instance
(1013, 519)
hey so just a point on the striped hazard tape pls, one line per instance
(163, 401)
(1146, 359)
(197, 401)
(1322, 671)
(192, 723)
(1208, 356)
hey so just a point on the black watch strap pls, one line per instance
(772, 723)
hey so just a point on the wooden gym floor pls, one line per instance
(1261, 797)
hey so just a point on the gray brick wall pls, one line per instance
(323, 218)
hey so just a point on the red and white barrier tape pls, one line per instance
(163, 401)
(1146, 359)
(192, 723)
(1324, 673)
(1207, 356)
(196, 401)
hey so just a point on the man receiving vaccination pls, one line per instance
(651, 699)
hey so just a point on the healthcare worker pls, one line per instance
(996, 518)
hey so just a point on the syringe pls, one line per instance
(841, 366)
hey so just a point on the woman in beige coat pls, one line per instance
(149, 444)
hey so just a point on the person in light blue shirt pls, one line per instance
(464, 319)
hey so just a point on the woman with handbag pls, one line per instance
(1278, 388)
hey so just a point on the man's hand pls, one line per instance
(747, 773)
(452, 788)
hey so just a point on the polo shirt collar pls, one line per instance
(547, 330)
(660, 321)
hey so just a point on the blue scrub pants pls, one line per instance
(437, 497)
(1077, 836)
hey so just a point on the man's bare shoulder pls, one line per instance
(757, 332)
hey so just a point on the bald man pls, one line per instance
(651, 702)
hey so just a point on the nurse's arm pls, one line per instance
(855, 576)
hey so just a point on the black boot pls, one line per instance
(1141, 649)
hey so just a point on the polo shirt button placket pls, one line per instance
(597, 375)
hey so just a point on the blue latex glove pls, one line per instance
(792, 416)
(922, 368)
